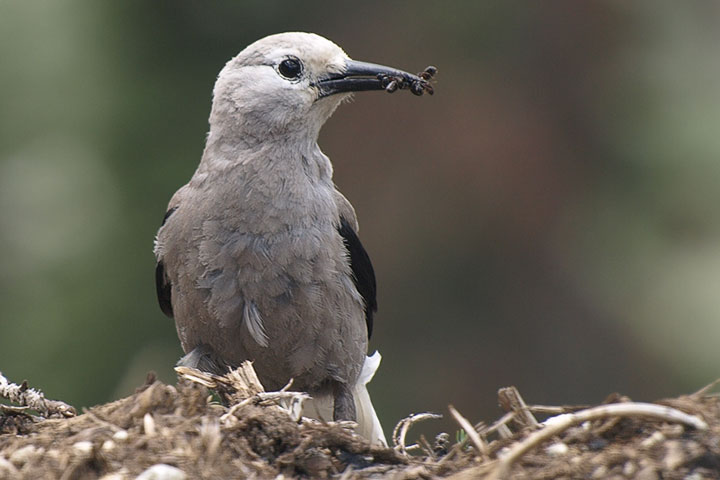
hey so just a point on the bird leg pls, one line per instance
(204, 358)
(344, 403)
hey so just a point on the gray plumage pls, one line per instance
(251, 260)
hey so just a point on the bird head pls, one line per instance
(290, 83)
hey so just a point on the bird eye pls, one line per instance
(290, 68)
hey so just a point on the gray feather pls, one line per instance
(258, 267)
(254, 323)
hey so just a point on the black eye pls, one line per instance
(290, 68)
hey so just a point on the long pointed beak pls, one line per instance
(362, 76)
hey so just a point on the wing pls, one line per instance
(164, 288)
(362, 269)
(162, 284)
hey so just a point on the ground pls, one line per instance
(237, 431)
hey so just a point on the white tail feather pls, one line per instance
(368, 421)
(369, 427)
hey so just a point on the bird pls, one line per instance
(258, 255)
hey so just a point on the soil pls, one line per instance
(186, 427)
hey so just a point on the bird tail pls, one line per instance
(368, 421)
(321, 407)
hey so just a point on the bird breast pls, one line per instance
(275, 282)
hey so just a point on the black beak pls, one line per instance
(361, 76)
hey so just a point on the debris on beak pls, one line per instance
(417, 86)
(363, 76)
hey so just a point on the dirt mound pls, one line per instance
(194, 435)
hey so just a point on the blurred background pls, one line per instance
(547, 220)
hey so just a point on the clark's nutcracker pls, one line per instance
(258, 255)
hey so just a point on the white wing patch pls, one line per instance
(254, 323)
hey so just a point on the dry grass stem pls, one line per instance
(479, 444)
(706, 389)
(555, 410)
(555, 425)
(498, 426)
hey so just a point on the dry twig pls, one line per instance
(704, 390)
(34, 399)
(555, 425)
(501, 426)
(294, 399)
(400, 431)
(243, 387)
(511, 401)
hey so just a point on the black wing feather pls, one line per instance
(162, 284)
(164, 290)
(167, 215)
(362, 269)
